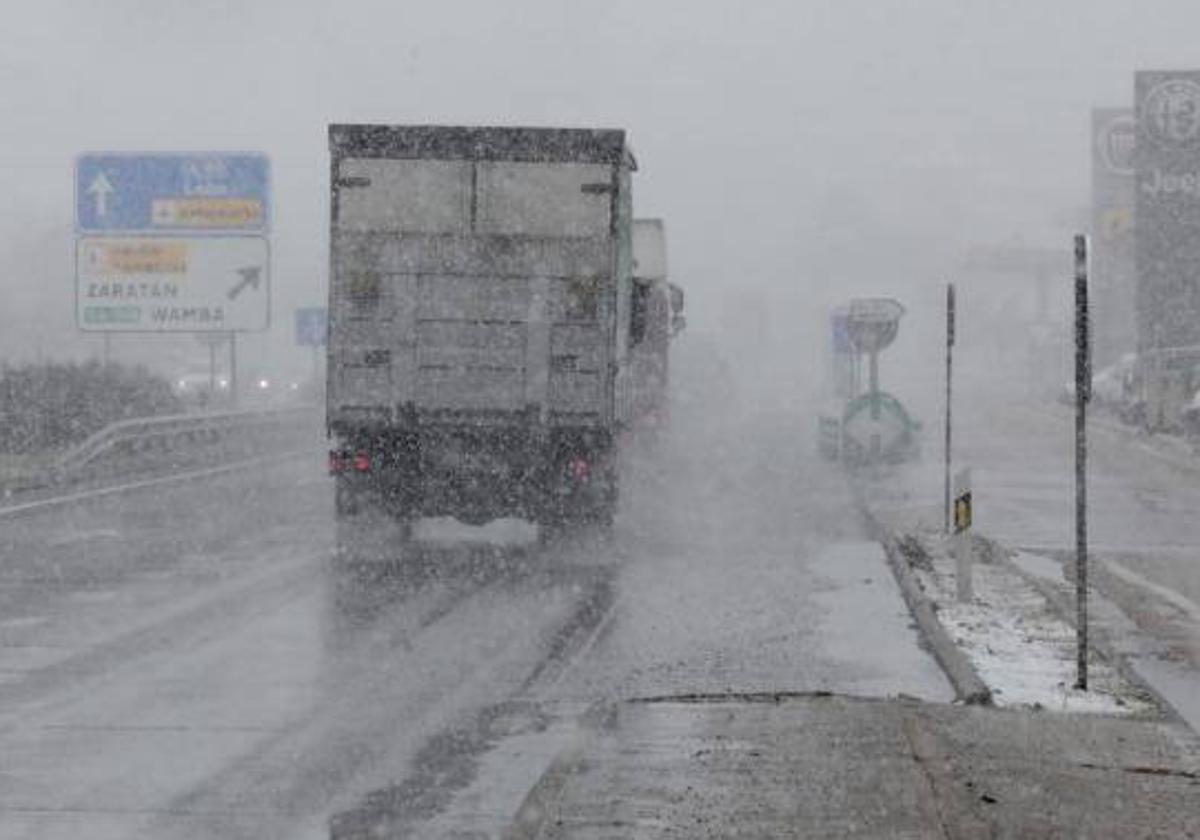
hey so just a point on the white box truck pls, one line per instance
(480, 303)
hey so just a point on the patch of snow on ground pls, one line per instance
(1019, 646)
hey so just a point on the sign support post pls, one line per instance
(312, 330)
(1159, 411)
(873, 367)
(949, 380)
(233, 377)
(212, 369)
(872, 324)
(1083, 383)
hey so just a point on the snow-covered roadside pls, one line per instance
(1018, 644)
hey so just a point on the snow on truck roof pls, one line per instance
(535, 145)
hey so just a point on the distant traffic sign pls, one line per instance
(1115, 131)
(963, 513)
(312, 326)
(872, 323)
(172, 192)
(172, 284)
(875, 309)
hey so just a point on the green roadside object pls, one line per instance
(876, 428)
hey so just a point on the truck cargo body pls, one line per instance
(479, 306)
(656, 317)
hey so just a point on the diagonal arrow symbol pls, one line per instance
(251, 276)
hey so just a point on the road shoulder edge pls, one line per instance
(969, 687)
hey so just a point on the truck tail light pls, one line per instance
(340, 462)
(579, 469)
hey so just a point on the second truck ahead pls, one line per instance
(481, 315)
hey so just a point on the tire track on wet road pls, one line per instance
(447, 762)
(399, 684)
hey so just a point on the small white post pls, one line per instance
(962, 545)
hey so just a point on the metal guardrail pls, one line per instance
(144, 445)
(172, 432)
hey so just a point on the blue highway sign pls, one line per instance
(172, 192)
(312, 325)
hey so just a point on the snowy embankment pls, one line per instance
(1020, 646)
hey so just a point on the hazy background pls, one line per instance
(801, 152)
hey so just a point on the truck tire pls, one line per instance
(605, 508)
(605, 515)
(346, 499)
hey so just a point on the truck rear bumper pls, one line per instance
(474, 475)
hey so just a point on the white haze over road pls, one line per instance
(181, 663)
(800, 152)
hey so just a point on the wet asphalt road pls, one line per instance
(1142, 494)
(181, 661)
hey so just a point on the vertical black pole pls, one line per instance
(1158, 420)
(1083, 386)
(949, 371)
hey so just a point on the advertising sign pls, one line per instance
(1167, 209)
(1114, 133)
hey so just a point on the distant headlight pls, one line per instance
(264, 384)
(222, 383)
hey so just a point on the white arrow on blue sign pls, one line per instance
(172, 192)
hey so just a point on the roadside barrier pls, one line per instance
(149, 444)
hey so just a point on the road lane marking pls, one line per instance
(71, 538)
(22, 622)
(1186, 605)
(163, 727)
(237, 601)
(597, 633)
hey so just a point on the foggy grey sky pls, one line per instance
(803, 148)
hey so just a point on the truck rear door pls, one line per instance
(464, 286)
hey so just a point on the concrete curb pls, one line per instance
(1063, 605)
(969, 687)
(539, 807)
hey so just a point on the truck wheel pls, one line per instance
(549, 525)
(346, 501)
(606, 506)
(605, 515)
